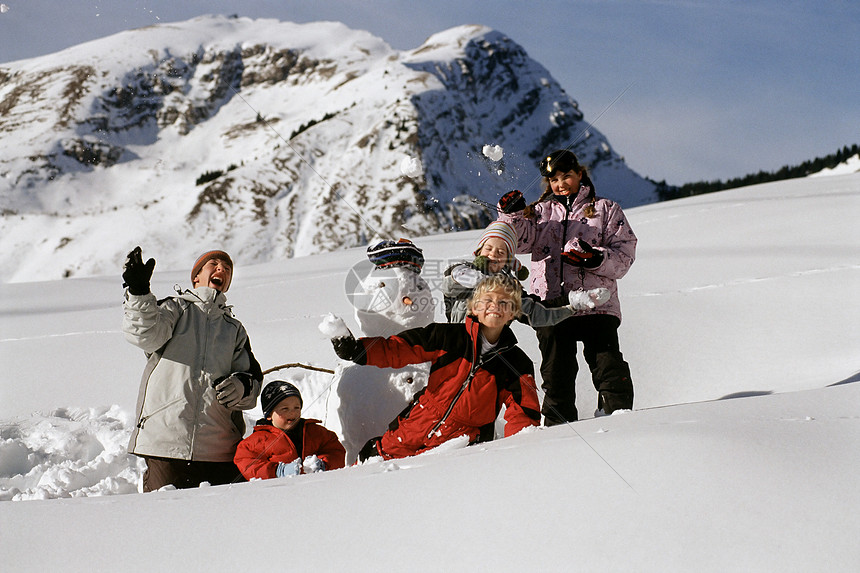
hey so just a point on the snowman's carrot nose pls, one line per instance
(407, 301)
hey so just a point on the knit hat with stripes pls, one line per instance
(505, 232)
(403, 253)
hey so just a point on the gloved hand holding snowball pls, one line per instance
(345, 344)
(333, 326)
(312, 465)
(292, 468)
(588, 299)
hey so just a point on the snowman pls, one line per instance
(389, 296)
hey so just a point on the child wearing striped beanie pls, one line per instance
(497, 249)
(495, 254)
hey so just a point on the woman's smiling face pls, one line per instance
(566, 183)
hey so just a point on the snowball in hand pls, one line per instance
(493, 152)
(410, 167)
(586, 300)
(599, 295)
(334, 327)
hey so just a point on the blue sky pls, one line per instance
(684, 90)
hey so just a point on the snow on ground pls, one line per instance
(740, 326)
(851, 165)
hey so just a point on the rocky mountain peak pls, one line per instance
(271, 139)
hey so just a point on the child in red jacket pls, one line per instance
(476, 368)
(283, 443)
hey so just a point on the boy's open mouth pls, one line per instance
(217, 280)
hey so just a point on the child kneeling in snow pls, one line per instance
(475, 368)
(283, 443)
(495, 254)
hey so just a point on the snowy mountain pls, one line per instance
(740, 326)
(271, 140)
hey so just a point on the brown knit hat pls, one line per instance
(202, 259)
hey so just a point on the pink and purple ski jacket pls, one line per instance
(556, 228)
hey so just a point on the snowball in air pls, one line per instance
(493, 152)
(410, 167)
(333, 326)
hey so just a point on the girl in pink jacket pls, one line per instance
(577, 241)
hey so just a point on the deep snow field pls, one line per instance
(740, 325)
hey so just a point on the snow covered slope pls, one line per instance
(741, 330)
(275, 139)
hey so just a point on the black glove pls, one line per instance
(588, 257)
(511, 202)
(135, 274)
(348, 348)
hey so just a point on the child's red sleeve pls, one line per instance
(252, 460)
(330, 450)
(522, 407)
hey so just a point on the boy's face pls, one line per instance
(287, 413)
(566, 183)
(497, 252)
(493, 309)
(216, 274)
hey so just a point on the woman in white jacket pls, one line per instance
(200, 374)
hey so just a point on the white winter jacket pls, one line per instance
(191, 341)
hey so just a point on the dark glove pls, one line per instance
(135, 274)
(588, 257)
(233, 388)
(348, 348)
(511, 202)
(482, 263)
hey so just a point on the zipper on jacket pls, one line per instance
(143, 419)
(200, 396)
(454, 400)
(477, 364)
(567, 210)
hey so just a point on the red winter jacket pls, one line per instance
(258, 455)
(463, 395)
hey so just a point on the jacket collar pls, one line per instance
(582, 197)
(205, 296)
(506, 340)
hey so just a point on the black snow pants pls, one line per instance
(609, 372)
